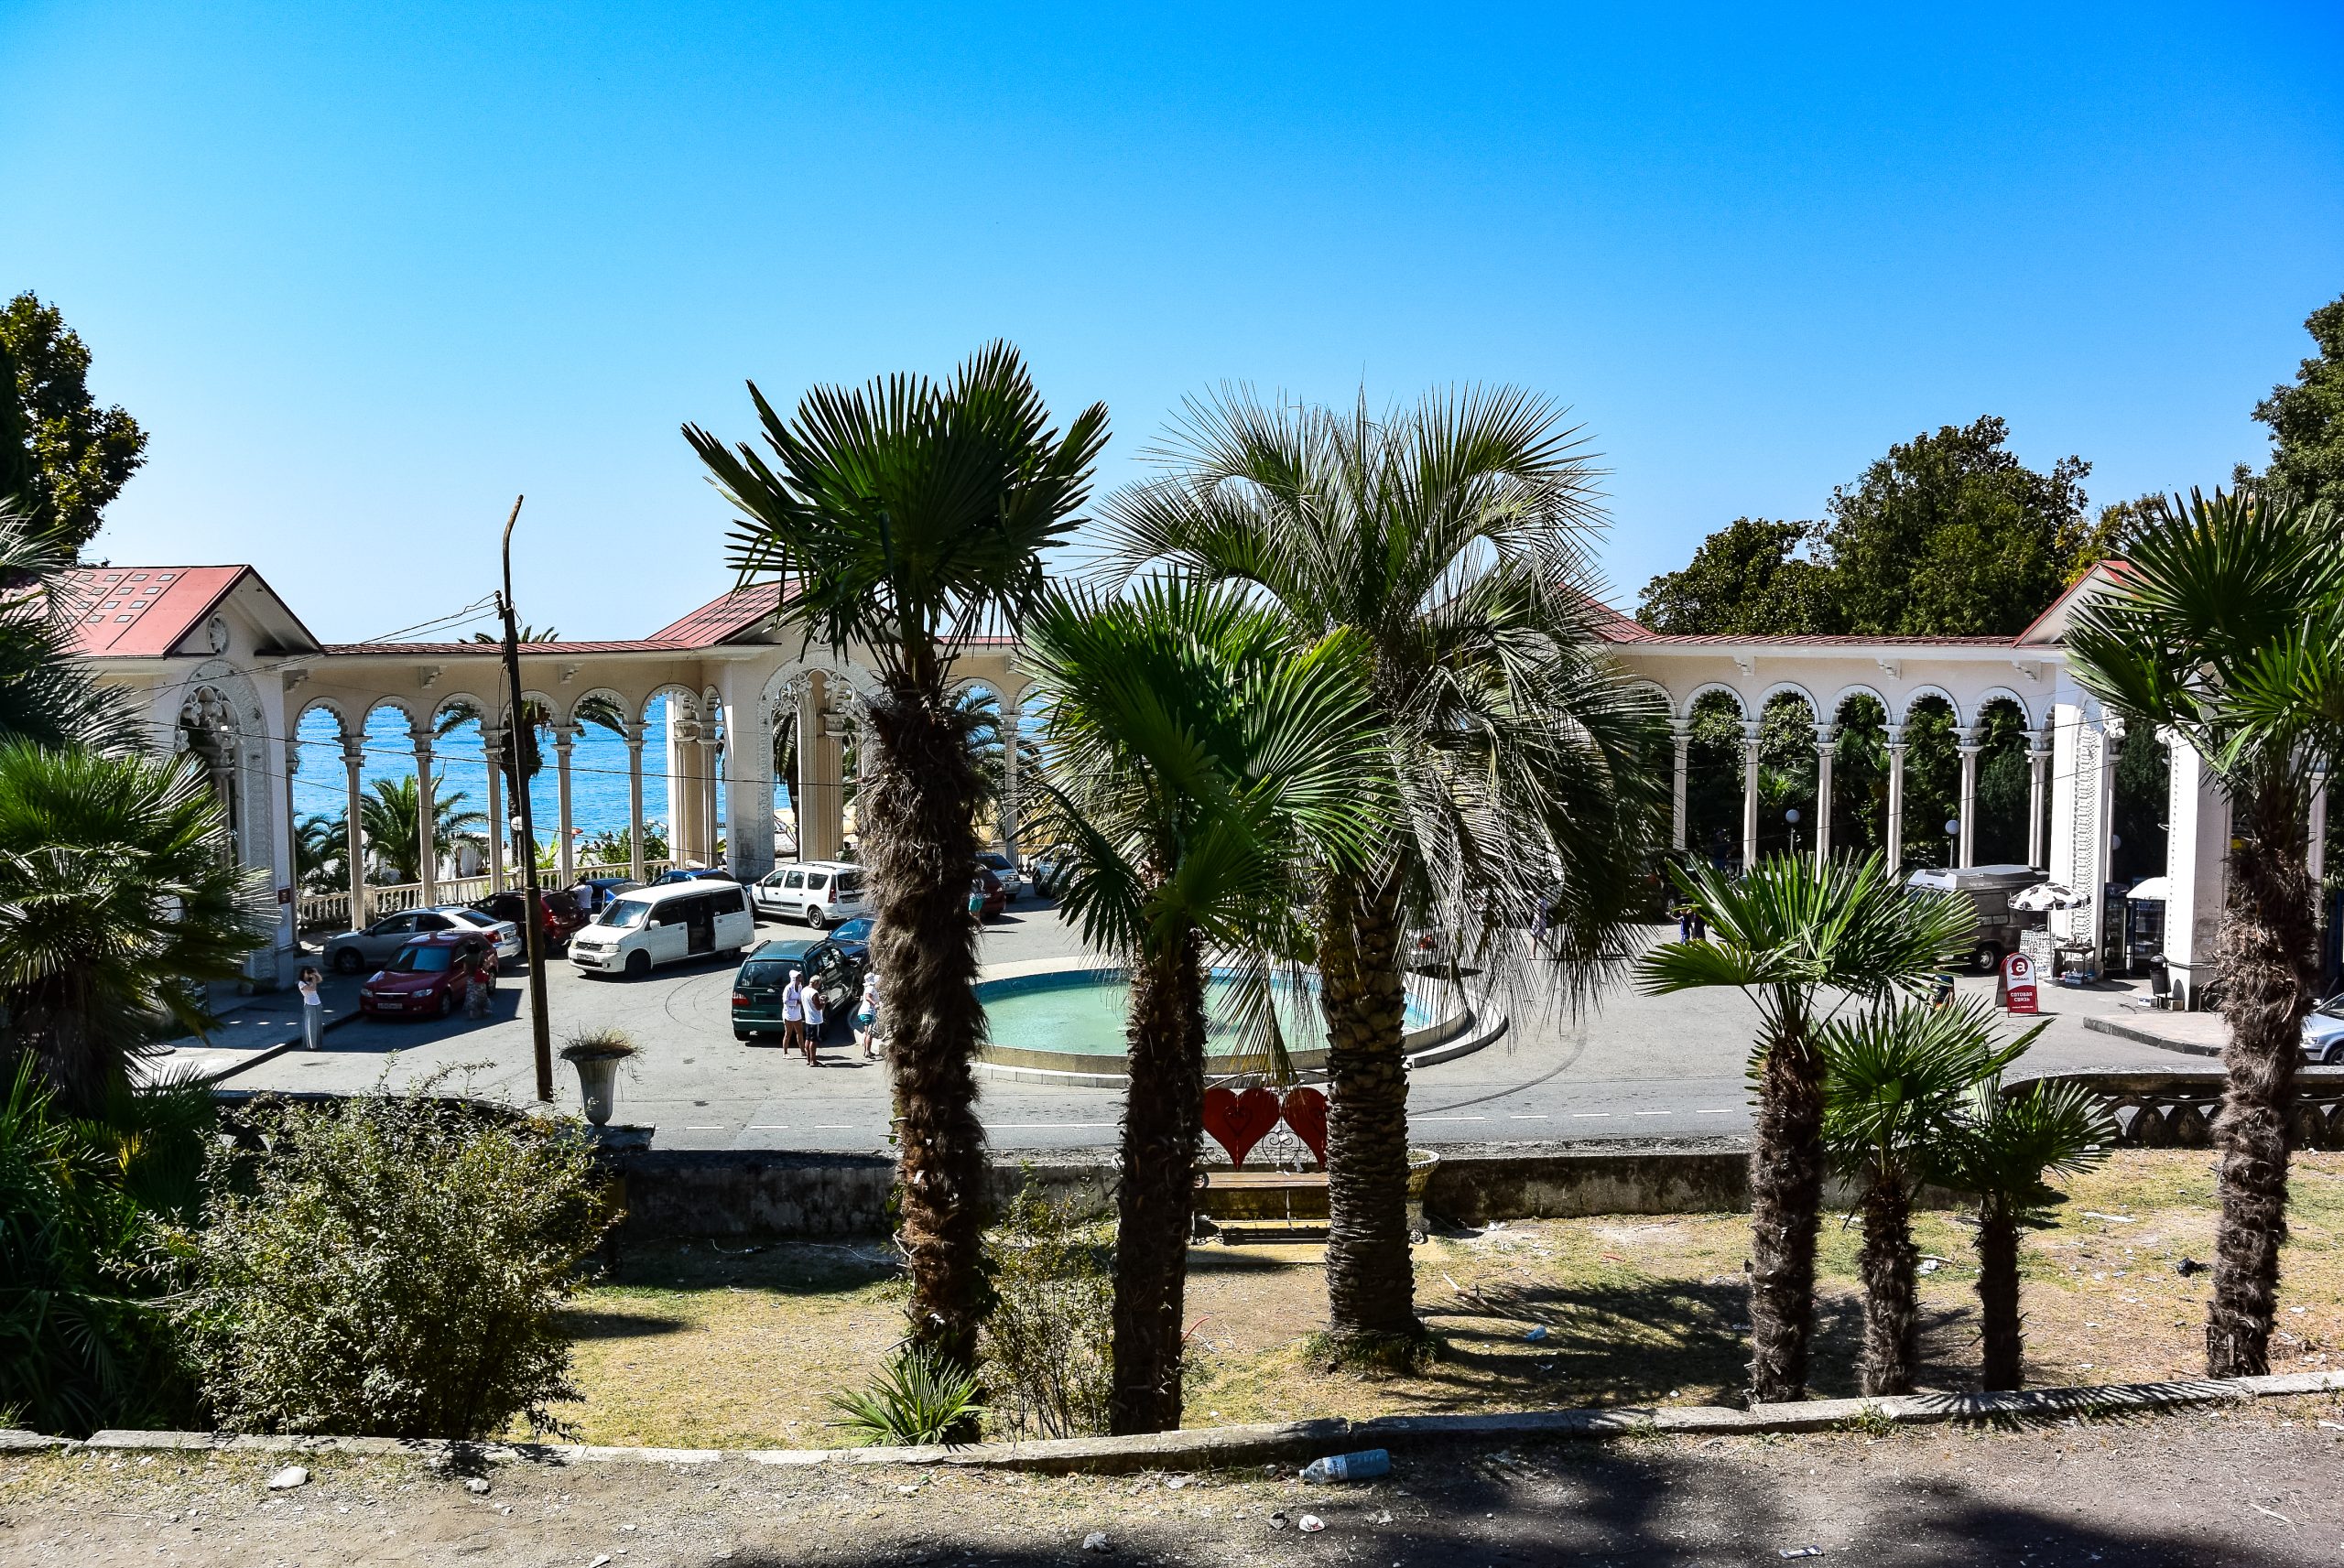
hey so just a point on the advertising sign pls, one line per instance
(2018, 983)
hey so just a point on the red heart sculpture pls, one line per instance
(1305, 1112)
(1238, 1122)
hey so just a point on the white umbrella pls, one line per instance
(2046, 896)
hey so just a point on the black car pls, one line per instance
(820, 963)
(852, 937)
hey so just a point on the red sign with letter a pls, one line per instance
(2018, 983)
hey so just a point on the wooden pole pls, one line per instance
(534, 926)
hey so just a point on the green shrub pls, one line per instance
(917, 1398)
(391, 1266)
(1048, 1344)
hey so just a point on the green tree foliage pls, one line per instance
(1949, 534)
(1050, 1339)
(390, 817)
(80, 455)
(2306, 417)
(392, 1266)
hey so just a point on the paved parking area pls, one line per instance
(1626, 1067)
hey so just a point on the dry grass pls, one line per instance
(693, 1345)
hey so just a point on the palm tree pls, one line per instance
(1799, 941)
(520, 755)
(118, 898)
(1451, 539)
(1896, 1081)
(47, 693)
(1207, 757)
(321, 844)
(2006, 1143)
(2226, 629)
(903, 518)
(389, 817)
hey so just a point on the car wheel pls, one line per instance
(816, 918)
(637, 965)
(346, 961)
(447, 1002)
(1988, 958)
(2334, 1055)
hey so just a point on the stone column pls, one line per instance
(427, 849)
(1749, 794)
(564, 737)
(821, 815)
(683, 800)
(2038, 769)
(1683, 730)
(1895, 798)
(354, 761)
(704, 793)
(1968, 741)
(1825, 738)
(633, 734)
(492, 746)
(1008, 779)
(293, 828)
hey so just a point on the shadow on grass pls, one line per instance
(586, 1323)
(785, 1268)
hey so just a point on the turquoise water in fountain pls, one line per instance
(1084, 1013)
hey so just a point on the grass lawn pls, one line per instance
(734, 1344)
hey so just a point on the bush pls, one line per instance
(1048, 1345)
(86, 1248)
(919, 1398)
(391, 1267)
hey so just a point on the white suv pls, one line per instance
(820, 892)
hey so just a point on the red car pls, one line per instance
(429, 978)
(563, 918)
(996, 895)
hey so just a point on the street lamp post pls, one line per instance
(1791, 817)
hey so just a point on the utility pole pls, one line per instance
(534, 927)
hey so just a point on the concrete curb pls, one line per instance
(1207, 1448)
(2123, 1031)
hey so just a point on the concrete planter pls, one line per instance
(598, 1085)
(1422, 1162)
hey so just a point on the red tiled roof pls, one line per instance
(722, 619)
(141, 612)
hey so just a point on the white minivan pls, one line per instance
(644, 927)
(820, 892)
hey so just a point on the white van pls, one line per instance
(644, 927)
(820, 892)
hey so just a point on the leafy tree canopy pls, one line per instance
(1949, 534)
(2306, 418)
(62, 455)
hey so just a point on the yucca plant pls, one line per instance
(919, 1398)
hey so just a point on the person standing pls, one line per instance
(313, 1008)
(814, 1016)
(866, 1015)
(793, 1017)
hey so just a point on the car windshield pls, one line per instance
(2332, 1008)
(431, 960)
(855, 930)
(624, 913)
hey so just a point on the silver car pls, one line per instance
(356, 952)
(2324, 1033)
(504, 932)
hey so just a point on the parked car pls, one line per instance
(562, 915)
(1045, 869)
(504, 932)
(427, 978)
(356, 952)
(593, 893)
(854, 939)
(1990, 888)
(1002, 866)
(996, 897)
(662, 924)
(820, 962)
(820, 892)
(693, 874)
(2324, 1033)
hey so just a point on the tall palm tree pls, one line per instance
(521, 753)
(47, 693)
(2226, 629)
(2005, 1145)
(903, 518)
(1208, 756)
(1451, 538)
(388, 818)
(1800, 941)
(321, 843)
(1896, 1079)
(118, 898)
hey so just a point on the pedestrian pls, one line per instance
(1700, 923)
(977, 899)
(480, 981)
(1684, 923)
(866, 1015)
(815, 1019)
(1538, 926)
(793, 1017)
(313, 1008)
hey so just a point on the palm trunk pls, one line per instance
(1371, 1275)
(1163, 1123)
(2268, 966)
(1786, 1207)
(919, 849)
(1889, 1263)
(1999, 1324)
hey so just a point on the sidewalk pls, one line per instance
(253, 1029)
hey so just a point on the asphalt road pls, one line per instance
(1619, 1066)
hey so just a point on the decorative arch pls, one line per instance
(332, 705)
(2003, 694)
(1789, 688)
(669, 688)
(1858, 688)
(626, 705)
(1693, 698)
(405, 706)
(1912, 697)
(480, 707)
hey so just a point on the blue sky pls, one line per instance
(366, 271)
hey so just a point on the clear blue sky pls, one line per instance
(366, 271)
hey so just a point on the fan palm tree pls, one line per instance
(520, 754)
(903, 518)
(2004, 1149)
(2226, 629)
(117, 898)
(1449, 539)
(321, 844)
(47, 693)
(1799, 940)
(1896, 1080)
(1207, 757)
(389, 818)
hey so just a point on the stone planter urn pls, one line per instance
(1421, 1165)
(597, 1058)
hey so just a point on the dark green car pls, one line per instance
(764, 975)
